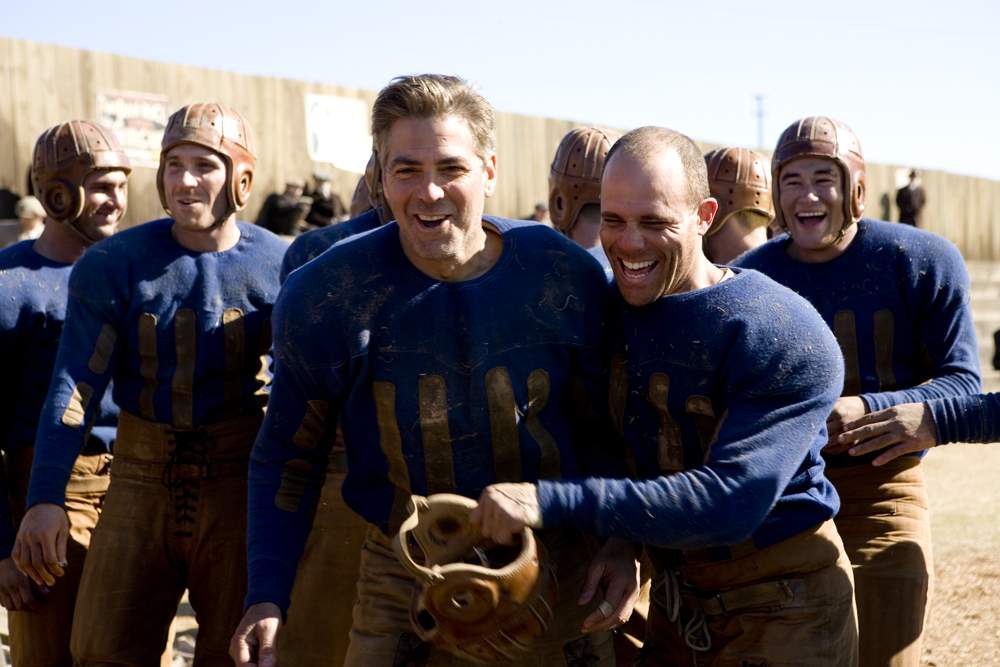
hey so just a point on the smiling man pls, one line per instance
(177, 312)
(897, 299)
(721, 383)
(449, 345)
(81, 176)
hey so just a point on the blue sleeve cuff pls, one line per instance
(48, 485)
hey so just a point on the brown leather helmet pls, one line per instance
(477, 600)
(63, 158)
(368, 191)
(575, 176)
(222, 130)
(740, 180)
(824, 137)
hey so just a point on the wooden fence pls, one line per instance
(41, 85)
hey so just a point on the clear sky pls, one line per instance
(917, 81)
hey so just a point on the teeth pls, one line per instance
(431, 218)
(814, 214)
(637, 266)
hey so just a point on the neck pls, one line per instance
(58, 243)
(820, 255)
(482, 249)
(704, 274)
(218, 238)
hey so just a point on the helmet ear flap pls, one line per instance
(62, 201)
(858, 196)
(242, 185)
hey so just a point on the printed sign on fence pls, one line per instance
(138, 120)
(337, 131)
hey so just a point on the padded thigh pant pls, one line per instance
(40, 638)
(788, 605)
(171, 521)
(885, 523)
(382, 635)
(319, 617)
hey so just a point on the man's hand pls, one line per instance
(845, 410)
(905, 428)
(15, 589)
(505, 510)
(252, 644)
(616, 566)
(40, 547)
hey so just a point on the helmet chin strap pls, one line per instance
(76, 230)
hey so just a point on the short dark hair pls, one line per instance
(645, 142)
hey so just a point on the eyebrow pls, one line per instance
(409, 161)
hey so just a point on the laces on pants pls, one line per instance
(695, 631)
(188, 465)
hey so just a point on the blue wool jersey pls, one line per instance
(439, 386)
(313, 243)
(897, 300)
(33, 293)
(184, 334)
(974, 418)
(722, 395)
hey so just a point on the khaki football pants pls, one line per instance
(40, 638)
(788, 605)
(885, 523)
(174, 518)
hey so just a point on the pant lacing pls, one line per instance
(695, 631)
(188, 465)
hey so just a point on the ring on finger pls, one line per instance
(605, 608)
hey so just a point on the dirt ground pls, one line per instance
(963, 629)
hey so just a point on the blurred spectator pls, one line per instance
(8, 202)
(282, 213)
(910, 200)
(31, 215)
(540, 214)
(327, 207)
(28, 225)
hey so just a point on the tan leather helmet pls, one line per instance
(824, 137)
(222, 130)
(740, 180)
(477, 600)
(368, 191)
(63, 158)
(575, 176)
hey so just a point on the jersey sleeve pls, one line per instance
(775, 410)
(974, 418)
(88, 348)
(940, 293)
(289, 458)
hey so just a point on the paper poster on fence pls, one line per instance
(337, 131)
(138, 120)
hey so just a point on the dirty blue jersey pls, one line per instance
(184, 334)
(722, 396)
(439, 386)
(897, 300)
(315, 242)
(33, 294)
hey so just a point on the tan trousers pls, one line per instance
(382, 635)
(174, 518)
(789, 605)
(40, 638)
(885, 523)
(319, 618)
